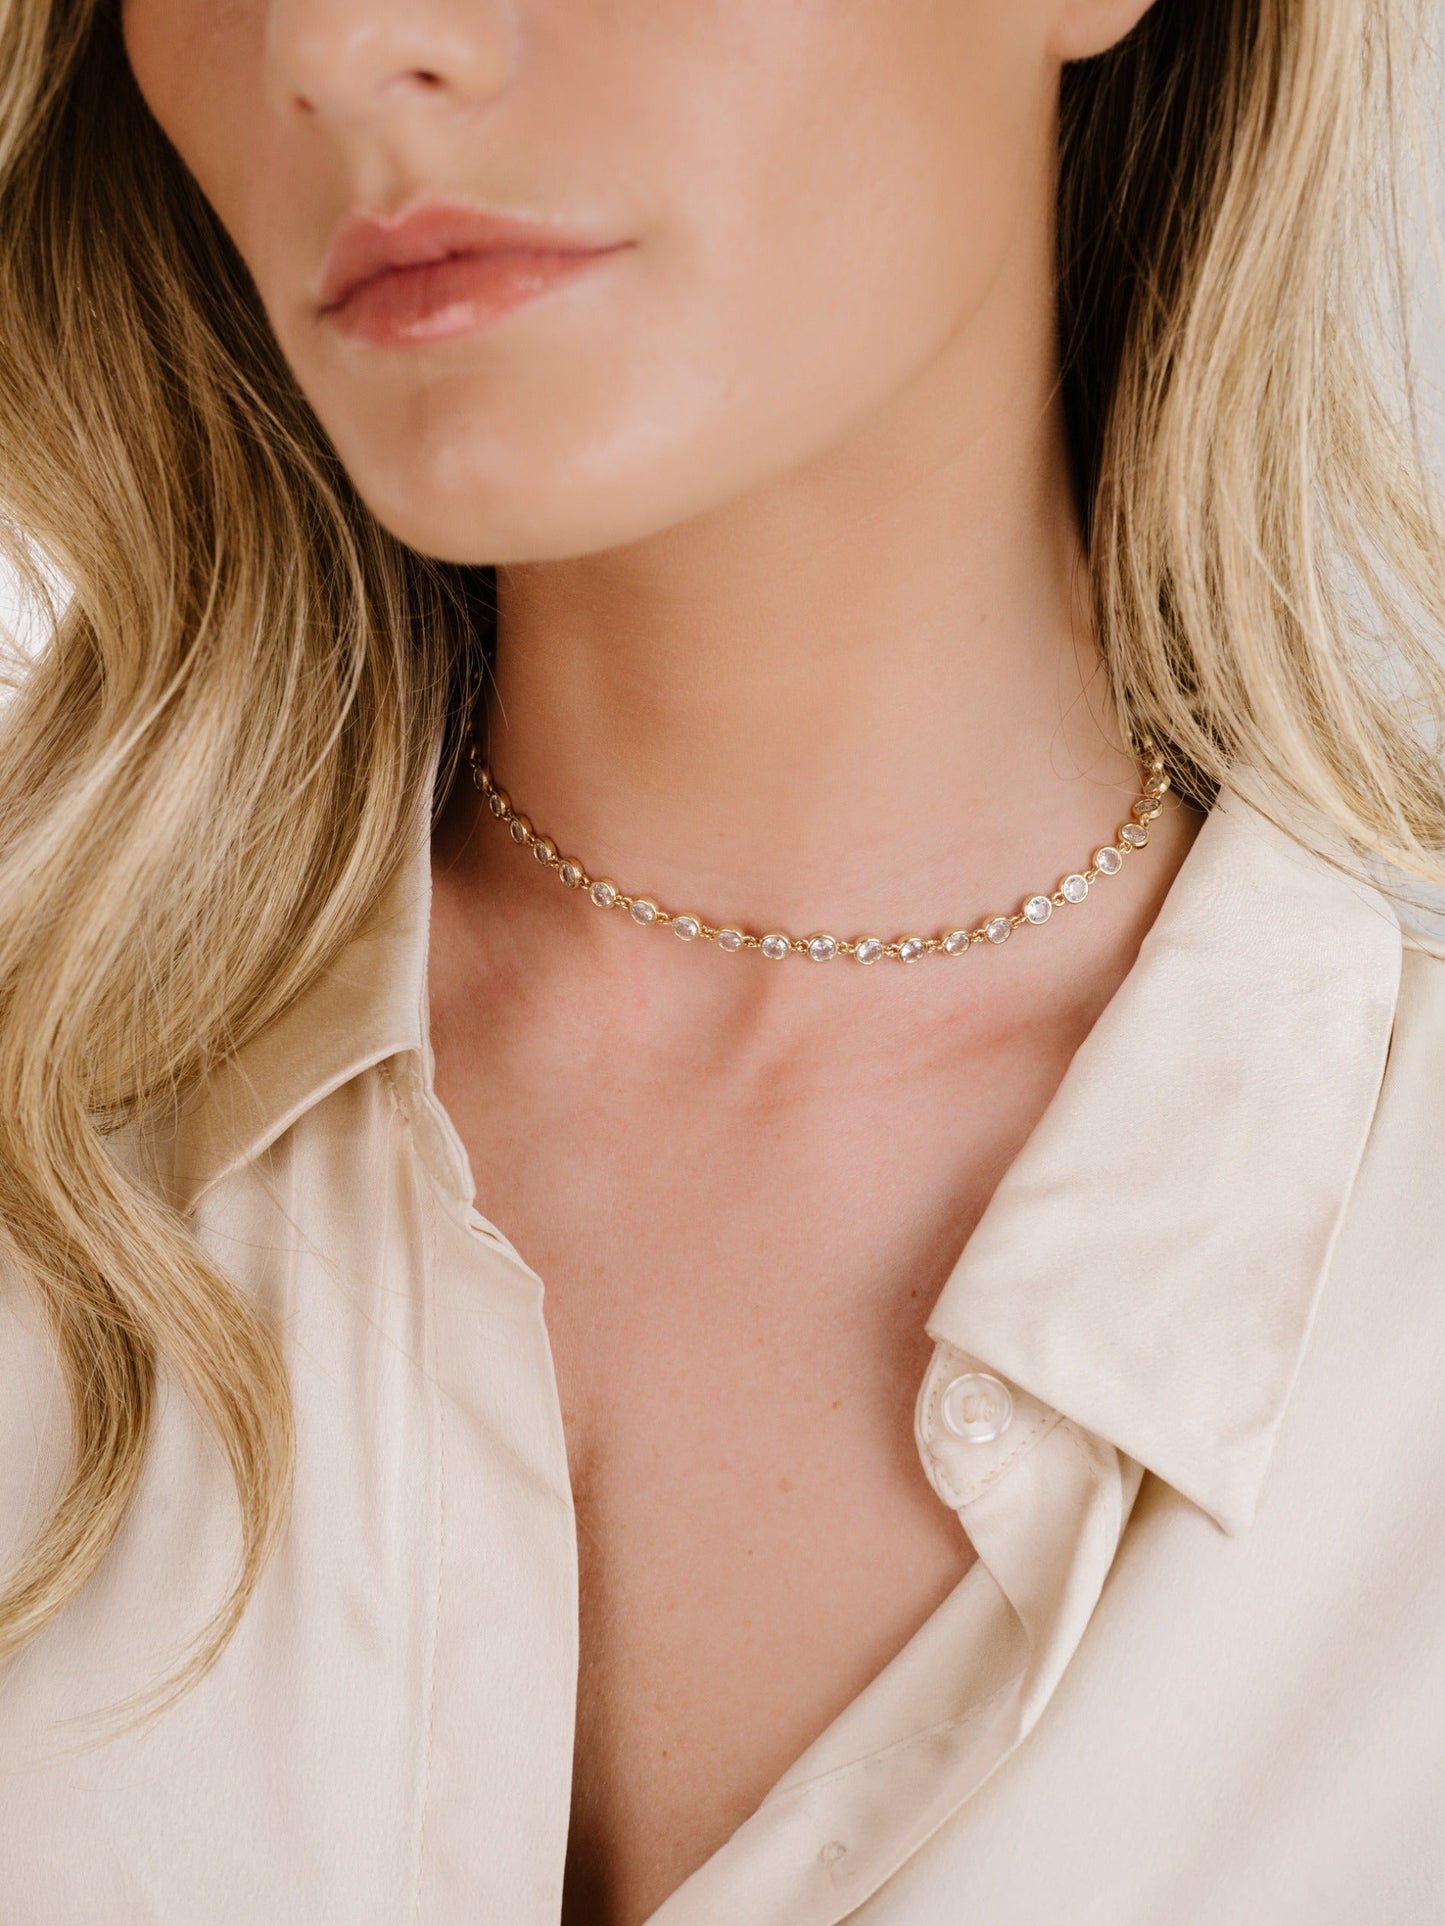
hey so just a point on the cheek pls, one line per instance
(875, 199)
(197, 64)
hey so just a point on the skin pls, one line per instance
(792, 633)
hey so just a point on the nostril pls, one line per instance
(344, 64)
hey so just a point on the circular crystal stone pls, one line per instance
(1074, 888)
(687, 927)
(956, 942)
(603, 893)
(729, 939)
(868, 949)
(999, 930)
(544, 849)
(911, 948)
(775, 946)
(520, 829)
(1108, 861)
(823, 948)
(644, 910)
(570, 873)
(1038, 909)
(1134, 834)
(498, 804)
(1146, 808)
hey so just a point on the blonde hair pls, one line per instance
(208, 772)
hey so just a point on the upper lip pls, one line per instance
(368, 245)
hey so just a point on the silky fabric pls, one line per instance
(1196, 1675)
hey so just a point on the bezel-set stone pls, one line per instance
(823, 946)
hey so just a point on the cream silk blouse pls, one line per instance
(1187, 1398)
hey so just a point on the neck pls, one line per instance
(865, 697)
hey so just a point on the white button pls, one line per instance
(977, 1407)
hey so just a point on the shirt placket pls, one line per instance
(1043, 1500)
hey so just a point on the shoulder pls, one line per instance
(1394, 1226)
(1415, 1072)
(1422, 974)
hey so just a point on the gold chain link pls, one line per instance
(823, 946)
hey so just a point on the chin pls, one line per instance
(479, 512)
(483, 529)
(525, 520)
(476, 497)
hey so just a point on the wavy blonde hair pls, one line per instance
(208, 772)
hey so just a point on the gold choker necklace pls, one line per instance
(822, 947)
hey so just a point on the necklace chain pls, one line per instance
(823, 946)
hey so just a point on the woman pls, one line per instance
(894, 506)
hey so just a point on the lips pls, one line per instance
(439, 271)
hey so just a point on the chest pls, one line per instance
(756, 1541)
(736, 1318)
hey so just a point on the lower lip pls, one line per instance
(439, 299)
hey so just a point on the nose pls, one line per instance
(350, 60)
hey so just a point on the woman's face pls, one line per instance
(793, 207)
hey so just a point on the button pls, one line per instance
(976, 1407)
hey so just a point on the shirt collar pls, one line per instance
(368, 1005)
(1150, 1263)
